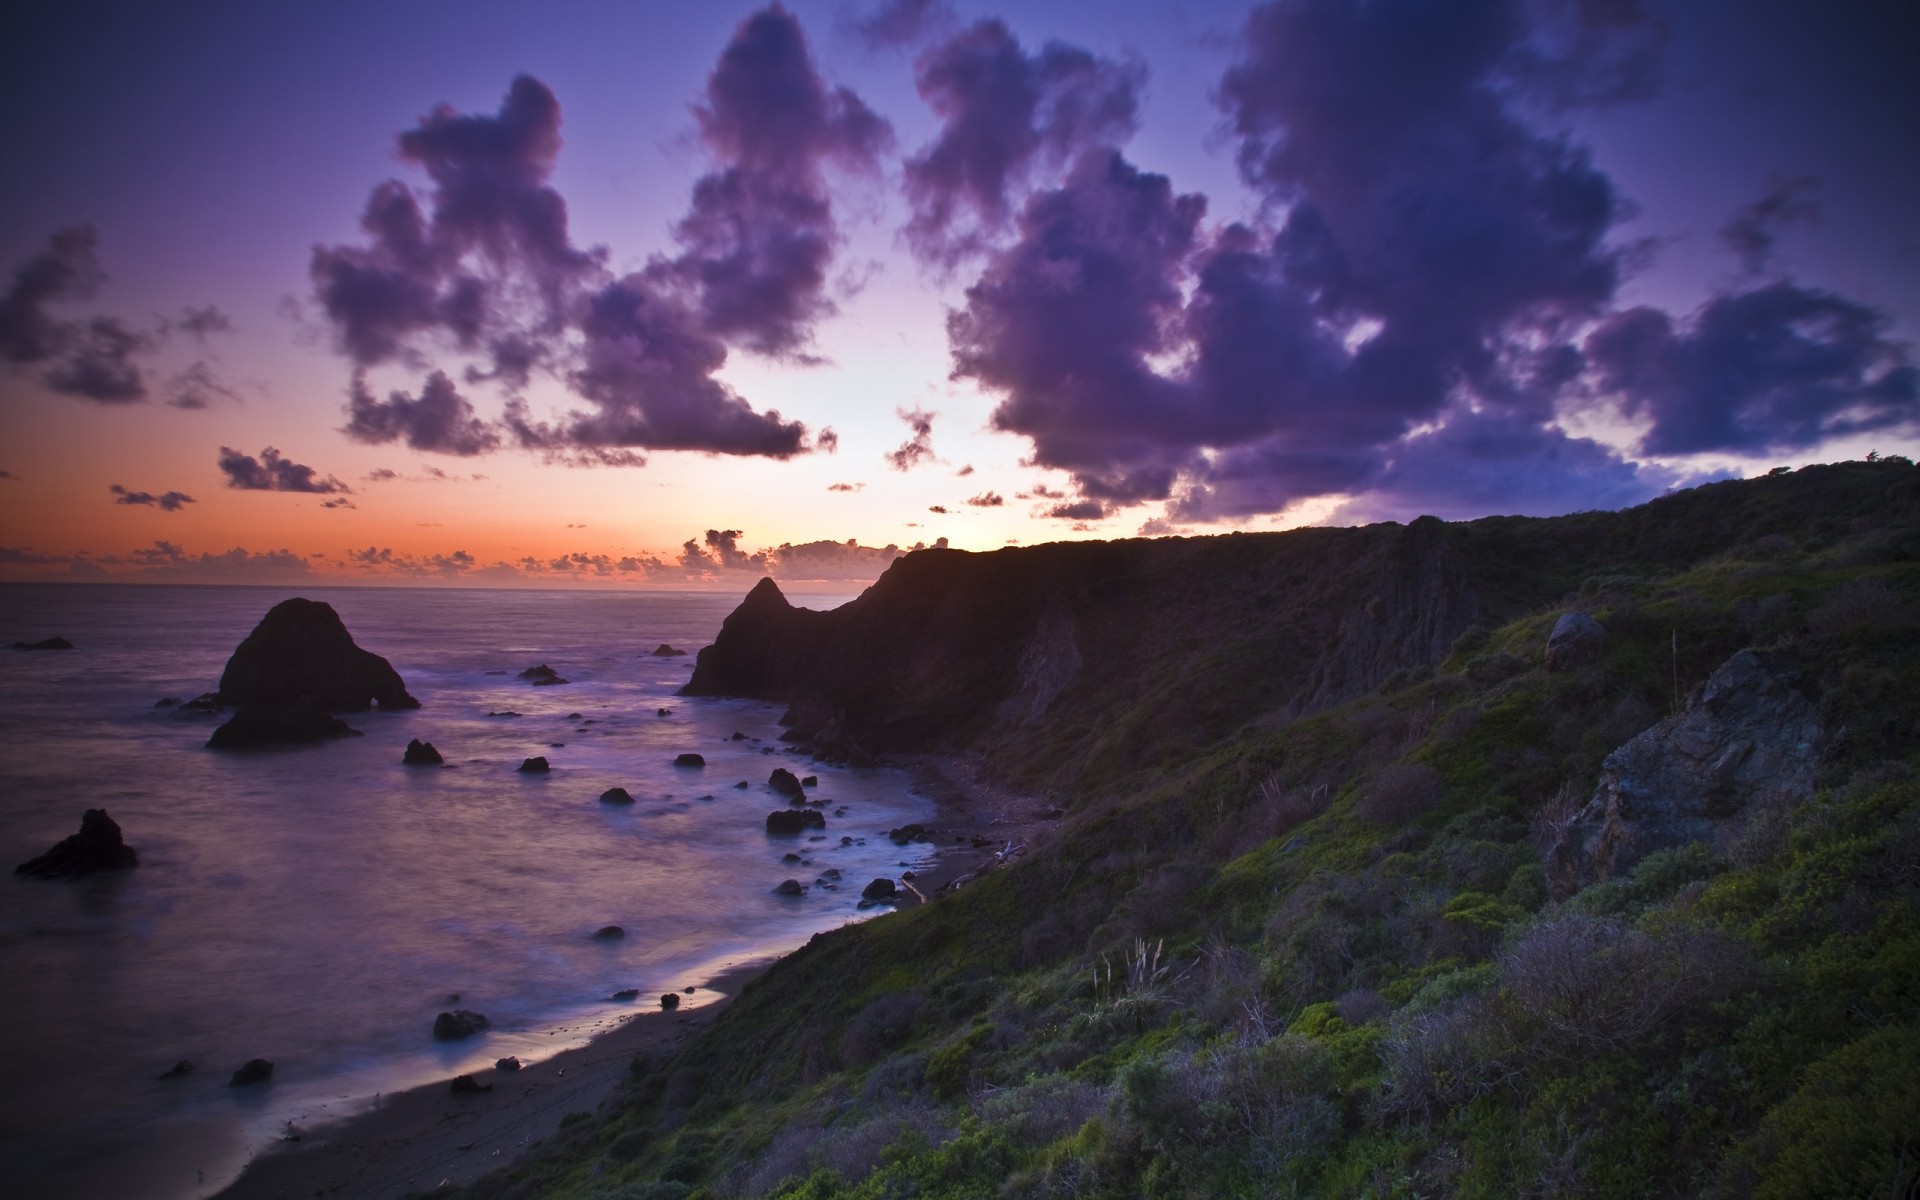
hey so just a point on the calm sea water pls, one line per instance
(318, 906)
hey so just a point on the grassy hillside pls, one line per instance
(1319, 956)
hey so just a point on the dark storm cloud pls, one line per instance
(100, 363)
(272, 472)
(1755, 229)
(1780, 367)
(68, 269)
(897, 22)
(440, 420)
(760, 231)
(1005, 114)
(917, 449)
(1423, 301)
(165, 502)
(486, 263)
(1063, 321)
(648, 370)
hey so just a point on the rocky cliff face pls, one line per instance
(1751, 739)
(1097, 655)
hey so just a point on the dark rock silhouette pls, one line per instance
(460, 1023)
(626, 994)
(510, 1063)
(810, 781)
(880, 889)
(785, 783)
(254, 1070)
(301, 650)
(303, 720)
(690, 759)
(1749, 739)
(788, 887)
(56, 643)
(421, 754)
(795, 820)
(537, 765)
(1577, 639)
(97, 847)
(616, 795)
(467, 1085)
(665, 651)
(609, 932)
(183, 1067)
(542, 676)
(671, 1000)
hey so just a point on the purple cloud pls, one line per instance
(440, 420)
(272, 472)
(987, 500)
(1755, 229)
(165, 502)
(919, 448)
(896, 23)
(1780, 367)
(1004, 115)
(721, 553)
(198, 386)
(99, 363)
(67, 270)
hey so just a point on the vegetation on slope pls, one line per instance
(1320, 957)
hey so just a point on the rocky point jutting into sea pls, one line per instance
(1511, 856)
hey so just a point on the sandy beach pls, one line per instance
(413, 1141)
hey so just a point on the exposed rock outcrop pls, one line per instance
(421, 754)
(304, 720)
(458, 1024)
(537, 765)
(785, 783)
(542, 676)
(665, 651)
(795, 820)
(97, 847)
(52, 643)
(1577, 639)
(301, 650)
(616, 795)
(689, 759)
(1750, 739)
(254, 1070)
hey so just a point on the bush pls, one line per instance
(1399, 793)
(879, 1027)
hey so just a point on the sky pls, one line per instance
(633, 295)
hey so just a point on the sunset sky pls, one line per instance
(640, 294)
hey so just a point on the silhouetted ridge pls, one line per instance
(301, 650)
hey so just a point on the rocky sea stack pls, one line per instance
(296, 669)
(97, 847)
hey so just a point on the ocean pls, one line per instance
(318, 906)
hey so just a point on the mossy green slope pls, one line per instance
(1319, 956)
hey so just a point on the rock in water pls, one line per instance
(880, 889)
(305, 720)
(795, 820)
(97, 847)
(665, 651)
(542, 676)
(788, 887)
(421, 754)
(690, 759)
(785, 782)
(301, 650)
(254, 1070)
(1576, 640)
(671, 1000)
(616, 795)
(537, 765)
(461, 1023)
(467, 1084)
(60, 643)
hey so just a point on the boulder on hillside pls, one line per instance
(795, 820)
(421, 754)
(461, 1023)
(97, 847)
(303, 720)
(786, 783)
(1750, 739)
(1576, 640)
(301, 651)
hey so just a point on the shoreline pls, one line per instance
(413, 1141)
